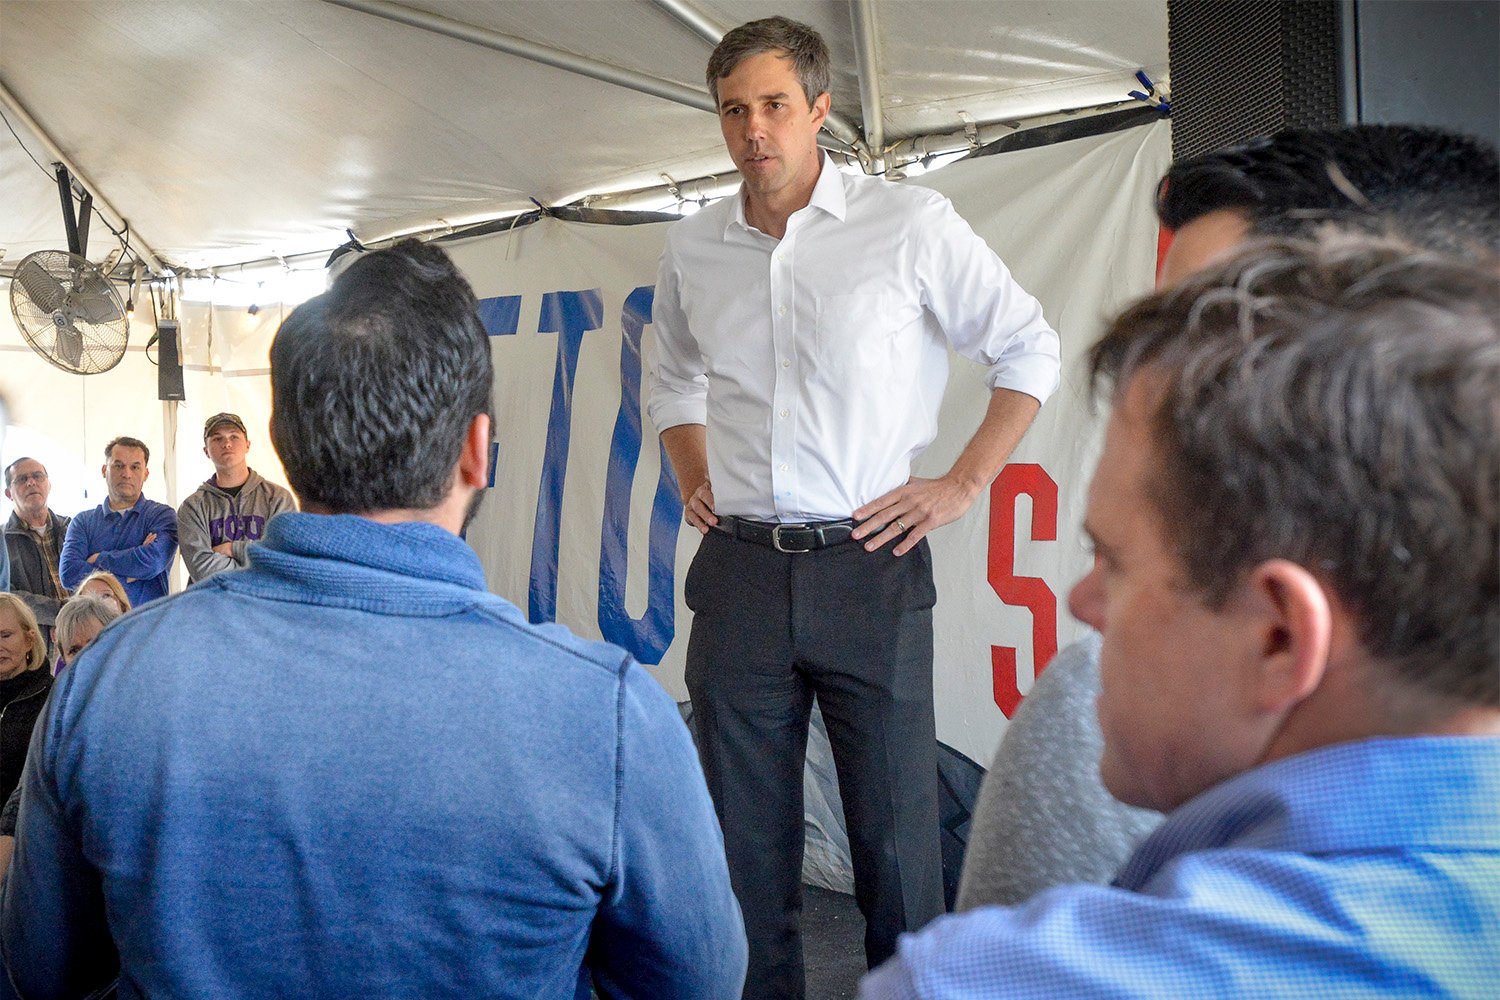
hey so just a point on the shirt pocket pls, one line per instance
(857, 332)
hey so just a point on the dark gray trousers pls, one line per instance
(770, 631)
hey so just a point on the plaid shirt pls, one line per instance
(50, 554)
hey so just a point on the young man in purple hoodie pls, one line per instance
(230, 509)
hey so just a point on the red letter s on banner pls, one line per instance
(1021, 591)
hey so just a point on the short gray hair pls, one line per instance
(1335, 404)
(804, 46)
(79, 609)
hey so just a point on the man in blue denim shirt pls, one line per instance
(1296, 523)
(347, 770)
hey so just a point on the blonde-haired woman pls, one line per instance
(103, 583)
(23, 686)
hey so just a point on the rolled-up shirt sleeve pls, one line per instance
(678, 383)
(985, 314)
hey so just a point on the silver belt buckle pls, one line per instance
(776, 539)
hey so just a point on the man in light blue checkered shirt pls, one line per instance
(1296, 520)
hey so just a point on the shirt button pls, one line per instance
(785, 414)
(786, 362)
(783, 466)
(781, 311)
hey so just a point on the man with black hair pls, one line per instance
(348, 770)
(1039, 826)
(803, 329)
(1296, 525)
(1427, 185)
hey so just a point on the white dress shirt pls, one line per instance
(818, 361)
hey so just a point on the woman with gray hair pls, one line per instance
(79, 622)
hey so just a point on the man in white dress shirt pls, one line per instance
(803, 330)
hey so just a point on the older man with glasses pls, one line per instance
(33, 541)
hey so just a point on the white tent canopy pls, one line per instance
(229, 132)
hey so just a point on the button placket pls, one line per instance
(784, 383)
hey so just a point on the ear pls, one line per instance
(206, 454)
(7, 494)
(1296, 632)
(474, 459)
(104, 471)
(821, 105)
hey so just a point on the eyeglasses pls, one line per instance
(30, 477)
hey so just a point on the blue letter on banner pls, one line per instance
(500, 315)
(647, 637)
(569, 315)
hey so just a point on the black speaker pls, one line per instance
(168, 362)
(1436, 62)
(1242, 68)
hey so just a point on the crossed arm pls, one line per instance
(137, 562)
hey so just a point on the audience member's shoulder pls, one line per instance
(1071, 678)
(551, 639)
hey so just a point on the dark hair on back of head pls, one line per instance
(1430, 186)
(1336, 404)
(374, 383)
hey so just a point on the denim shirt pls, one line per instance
(348, 771)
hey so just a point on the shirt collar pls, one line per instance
(828, 194)
(1406, 793)
(108, 510)
(359, 559)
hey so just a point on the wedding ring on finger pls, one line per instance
(901, 524)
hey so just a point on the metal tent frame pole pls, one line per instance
(101, 203)
(533, 51)
(701, 24)
(712, 32)
(866, 59)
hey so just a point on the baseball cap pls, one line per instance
(216, 421)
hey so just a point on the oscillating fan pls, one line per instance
(69, 312)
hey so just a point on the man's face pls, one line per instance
(84, 633)
(1172, 672)
(227, 447)
(1201, 242)
(29, 488)
(771, 133)
(125, 474)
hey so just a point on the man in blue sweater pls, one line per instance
(348, 770)
(132, 537)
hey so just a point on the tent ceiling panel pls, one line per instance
(234, 131)
(994, 60)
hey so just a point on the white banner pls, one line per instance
(582, 527)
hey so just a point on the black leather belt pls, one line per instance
(788, 537)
